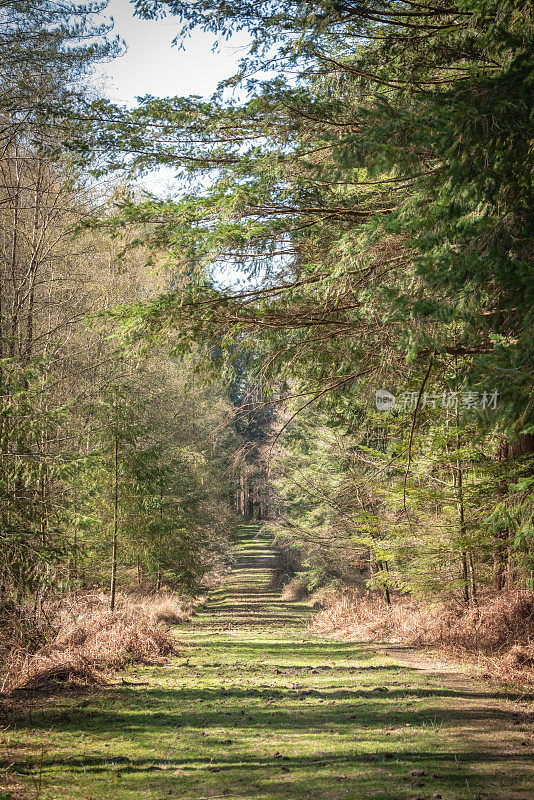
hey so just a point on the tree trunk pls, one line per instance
(474, 594)
(384, 566)
(459, 485)
(115, 528)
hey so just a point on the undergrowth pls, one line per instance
(498, 632)
(78, 639)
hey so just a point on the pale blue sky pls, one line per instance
(153, 66)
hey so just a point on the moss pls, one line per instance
(255, 706)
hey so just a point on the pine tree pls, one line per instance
(379, 183)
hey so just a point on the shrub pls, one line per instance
(91, 641)
(499, 632)
(295, 590)
(163, 607)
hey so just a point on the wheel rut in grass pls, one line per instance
(255, 706)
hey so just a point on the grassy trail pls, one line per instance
(255, 706)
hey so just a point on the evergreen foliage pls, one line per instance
(109, 456)
(353, 212)
(374, 174)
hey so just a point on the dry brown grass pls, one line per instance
(294, 591)
(368, 618)
(164, 607)
(85, 641)
(498, 633)
(87, 649)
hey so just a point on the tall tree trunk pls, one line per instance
(474, 591)
(115, 527)
(459, 484)
(242, 494)
(250, 500)
(158, 577)
(43, 518)
(465, 577)
(75, 555)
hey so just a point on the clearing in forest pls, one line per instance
(255, 706)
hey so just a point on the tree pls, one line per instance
(47, 48)
(375, 179)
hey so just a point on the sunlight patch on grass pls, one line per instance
(255, 706)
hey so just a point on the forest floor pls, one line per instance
(256, 706)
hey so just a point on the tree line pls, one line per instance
(112, 471)
(367, 173)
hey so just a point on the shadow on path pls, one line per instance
(254, 706)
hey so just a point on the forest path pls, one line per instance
(255, 706)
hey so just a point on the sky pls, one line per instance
(152, 65)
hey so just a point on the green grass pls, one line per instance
(255, 706)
